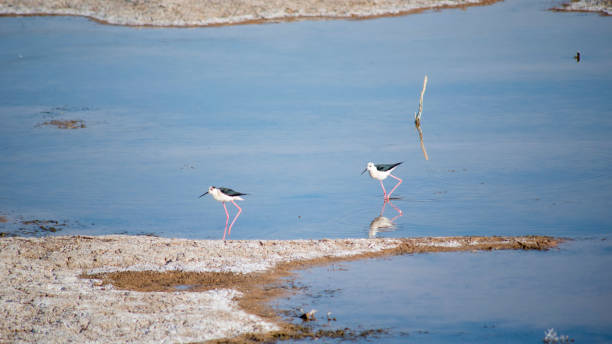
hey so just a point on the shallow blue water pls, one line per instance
(484, 297)
(517, 132)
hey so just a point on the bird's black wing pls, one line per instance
(231, 192)
(386, 167)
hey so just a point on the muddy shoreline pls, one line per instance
(148, 289)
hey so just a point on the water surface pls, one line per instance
(517, 131)
(484, 297)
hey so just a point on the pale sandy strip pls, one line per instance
(216, 12)
(601, 6)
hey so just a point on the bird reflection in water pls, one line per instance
(382, 223)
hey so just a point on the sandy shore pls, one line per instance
(146, 289)
(601, 6)
(222, 12)
(188, 13)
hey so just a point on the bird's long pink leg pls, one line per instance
(396, 185)
(226, 220)
(239, 211)
(384, 191)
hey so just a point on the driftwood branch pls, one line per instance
(417, 115)
(417, 119)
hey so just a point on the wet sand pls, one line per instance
(148, 289)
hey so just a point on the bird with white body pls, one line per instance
(224, 195)
(381, 172)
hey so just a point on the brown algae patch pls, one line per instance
(258, 288)
(149, 281)
(64, 124)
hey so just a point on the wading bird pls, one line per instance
(226, 195)
(381, 172)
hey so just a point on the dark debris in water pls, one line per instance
(149, 234)
(301, 332)
(33, 227)
(308, 316)
(64, 124)
(45, 225)
(53, 117)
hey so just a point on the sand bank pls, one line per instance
(601, 6)
(147, 289)
(222, 12)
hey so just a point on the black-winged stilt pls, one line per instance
(226, 195)
(381, 172)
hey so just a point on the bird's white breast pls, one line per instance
(220, 196)
(380, 175)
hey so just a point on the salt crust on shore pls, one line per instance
(602, 6)
(44, 300)
(184, 13)
(221, 12)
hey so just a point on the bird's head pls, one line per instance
(210, 190)
(369, 167)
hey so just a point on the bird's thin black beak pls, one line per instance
(364, 171)
(203, 194)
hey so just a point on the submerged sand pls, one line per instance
(147, 289)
